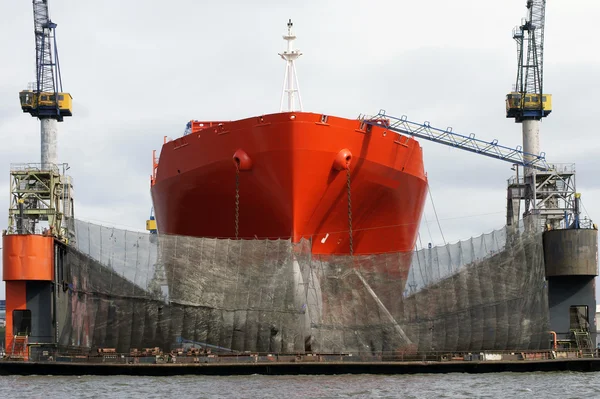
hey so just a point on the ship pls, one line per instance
(290, 175)
(348, 186)
(345, 191)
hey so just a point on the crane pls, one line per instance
(44, 98)
(528, 104)
(551, 195)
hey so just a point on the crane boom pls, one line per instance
(47, 67)
(527, 101)
(530, 40)
(448, 137)
(44, 98)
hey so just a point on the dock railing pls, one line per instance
(110, 356)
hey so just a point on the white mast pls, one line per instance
(290, 81)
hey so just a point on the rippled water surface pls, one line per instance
(499, 385)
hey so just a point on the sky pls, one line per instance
(139, 71)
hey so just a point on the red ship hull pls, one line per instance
(290, 185)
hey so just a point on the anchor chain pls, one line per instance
(237, 200)
(351, 241)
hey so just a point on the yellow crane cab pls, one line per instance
(522, 105)
(40, 104)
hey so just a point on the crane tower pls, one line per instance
(549, 193)
(44, 98)
(42, 195)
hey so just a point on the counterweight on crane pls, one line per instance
(44, 98)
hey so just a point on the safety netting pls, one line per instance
(125, 289)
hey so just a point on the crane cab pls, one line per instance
(521, 106)
(44, 104)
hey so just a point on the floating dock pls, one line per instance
(90, 299)
(317, 364)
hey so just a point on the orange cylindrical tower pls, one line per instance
(27, 257)
(27, 262)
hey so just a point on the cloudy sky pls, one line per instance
(139, 70)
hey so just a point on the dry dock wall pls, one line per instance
(98, 308)
(122, 291)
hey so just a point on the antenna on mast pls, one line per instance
(290, 81)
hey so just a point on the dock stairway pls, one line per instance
(583, 338)
(584, 343)
(19, 347)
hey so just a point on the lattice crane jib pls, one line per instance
(45, 98)
(530, 42)
(528, 100)
(47, 67)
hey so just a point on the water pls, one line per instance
(496, 385)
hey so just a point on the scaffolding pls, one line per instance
(41, 201)
(551, 194)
